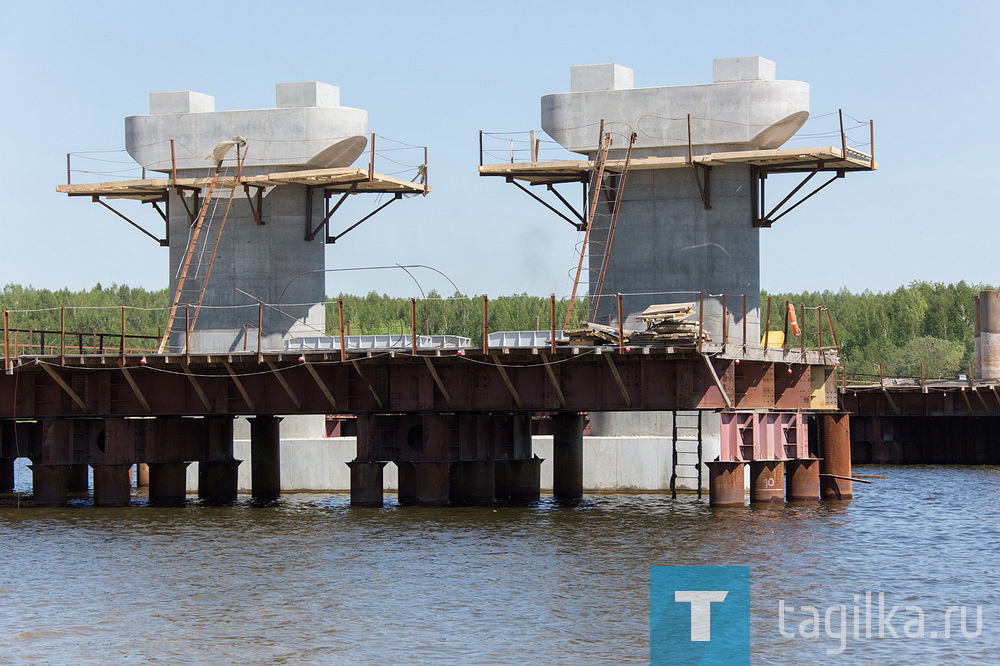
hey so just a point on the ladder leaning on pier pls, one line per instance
(195, 282)
(687, 450)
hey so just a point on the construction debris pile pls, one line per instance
(666, 324)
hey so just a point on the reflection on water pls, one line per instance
(309, 579)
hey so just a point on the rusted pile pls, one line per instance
(668, 324)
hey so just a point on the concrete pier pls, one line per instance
(801, 480)
(725, 484)
(265, 457)
(835, 456)
(767, 481)
(367, 482)
(567, 456)
(167, 483)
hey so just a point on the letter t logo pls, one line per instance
(701, 610)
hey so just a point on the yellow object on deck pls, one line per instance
(775, 339)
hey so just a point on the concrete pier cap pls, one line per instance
(307, 119)
(744, 108)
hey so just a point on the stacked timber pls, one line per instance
(669, 323)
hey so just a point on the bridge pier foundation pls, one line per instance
(6, 475)
(502, 479)
(48, 484)
(167, 483)
(218, 480)
(767, 481)
(366, 482)
(835, 456)
(802, 480)
(406, 493)
(725, 484)
(112, 485)
(431, 487)
(567, 456)
(265, 457)
(525, 480)
(78, 479)
(473, 482)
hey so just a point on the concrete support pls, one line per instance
(48, 484)
(767, 481)
(78, 479)
(431, 483)
(476, 482)
(525, 480)
(366, 482)
(6, 475)
(218, 475)
(112, 485)
(567, 456)
(835, 456)
(802, 480)
(265, 457)
(167, 483)
(142, 475)
(725, 484)
(407, 483)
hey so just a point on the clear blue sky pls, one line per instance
(436, 73)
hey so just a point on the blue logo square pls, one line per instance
(699, 615)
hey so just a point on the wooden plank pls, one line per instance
(553, 380)
(320, 383)
(284, 385)
(437, 380)
(65, 387)
(135, 389)
(506, 380)
(197, 387)
(239, 386)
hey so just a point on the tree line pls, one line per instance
(922, 323)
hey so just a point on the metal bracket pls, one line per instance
(259, 197)
(333, 239)
(161, 241)
(552, 189)
(312, 232)
(704, 183)
(196, 197)
(757, 178)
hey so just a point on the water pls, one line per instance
(311, 580)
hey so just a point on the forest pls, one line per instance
(921, 323)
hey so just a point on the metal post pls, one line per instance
(819, 327)
(260, 332)
(833, 331)
(343, 345)
(486, 328)
(173, 164)
(62, 335)
(843, 137)
(881, 379)
(621, 327)
(871, 139)
(413, 326)
(531, 146)
(6, 341)
(921, 375)
(767, 325)
(701, 317)
(552, 323)
(480, 147)
(690, 148)
(744, 324)
(725, 324)
(426, 175)
(371, 160)
(68, 169)
(123, 333)
(187, 332)
(802, 332)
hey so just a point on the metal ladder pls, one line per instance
(687, 449)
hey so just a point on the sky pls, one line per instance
(436, 73)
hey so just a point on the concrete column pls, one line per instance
(835, 455)
(168, 483)
(6, 475)
(142, 475)
(78, 479)
(366, 482)
(112, 485)
(265, 457)
(767, 481)
(407, 483)
(48, 484)
(477, 485)
(567, 456)
(525, 480)
(802, 480)
(725, 484)
(431, 483)
(218, 475)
